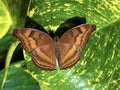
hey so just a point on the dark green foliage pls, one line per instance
(99, 64)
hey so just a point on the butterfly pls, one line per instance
(44, 50)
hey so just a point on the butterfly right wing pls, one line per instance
(68, 55)
(71, 44)
(41, 46)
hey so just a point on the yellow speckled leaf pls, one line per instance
(5, 21)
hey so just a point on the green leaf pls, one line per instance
(16, 14)
(8, 59)
(98, 67)
(50, 14)
(19, 79)
(5, 20)
(17, 17)
(99, 64)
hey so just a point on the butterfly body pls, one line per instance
(44, 50)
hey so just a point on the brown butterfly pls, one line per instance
(45, 50)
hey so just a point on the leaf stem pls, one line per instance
(7, 61)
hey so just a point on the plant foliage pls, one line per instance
(99, 64)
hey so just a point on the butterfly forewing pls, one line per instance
(41, 46)
(32, 38)
(78, 35)
(71, 44)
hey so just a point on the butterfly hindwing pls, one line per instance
(69, 55)
(44, 57)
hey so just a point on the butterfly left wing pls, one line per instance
(41, 46)
(44, 57)
(32, 38)
(71, 44)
